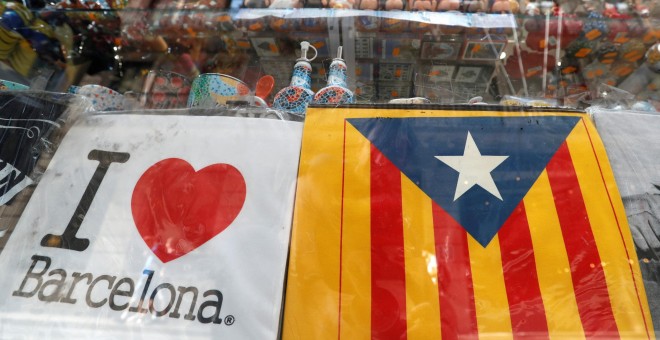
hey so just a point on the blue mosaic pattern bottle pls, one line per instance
(337, 91)
(295, 97)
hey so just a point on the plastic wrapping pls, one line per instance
(436, 222)
(163, 224)
(633, 146)
(520, 101)
(609, 97)
(31, 125)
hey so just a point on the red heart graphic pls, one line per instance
(177, 209)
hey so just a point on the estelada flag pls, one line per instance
(428, 224)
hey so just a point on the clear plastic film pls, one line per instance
(428, 222)
(633, 147)
(155, 224)
(519, 101)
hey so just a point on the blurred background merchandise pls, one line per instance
(447, 51)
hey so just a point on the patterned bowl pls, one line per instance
(212, 89)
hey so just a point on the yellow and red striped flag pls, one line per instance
(428, 224)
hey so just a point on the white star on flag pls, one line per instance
(474, 169)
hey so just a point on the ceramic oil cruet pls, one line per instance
(295, 97)
(336, 92)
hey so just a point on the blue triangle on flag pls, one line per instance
(412, 145)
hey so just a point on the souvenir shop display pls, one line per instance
(329, 169)
(217, 40)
